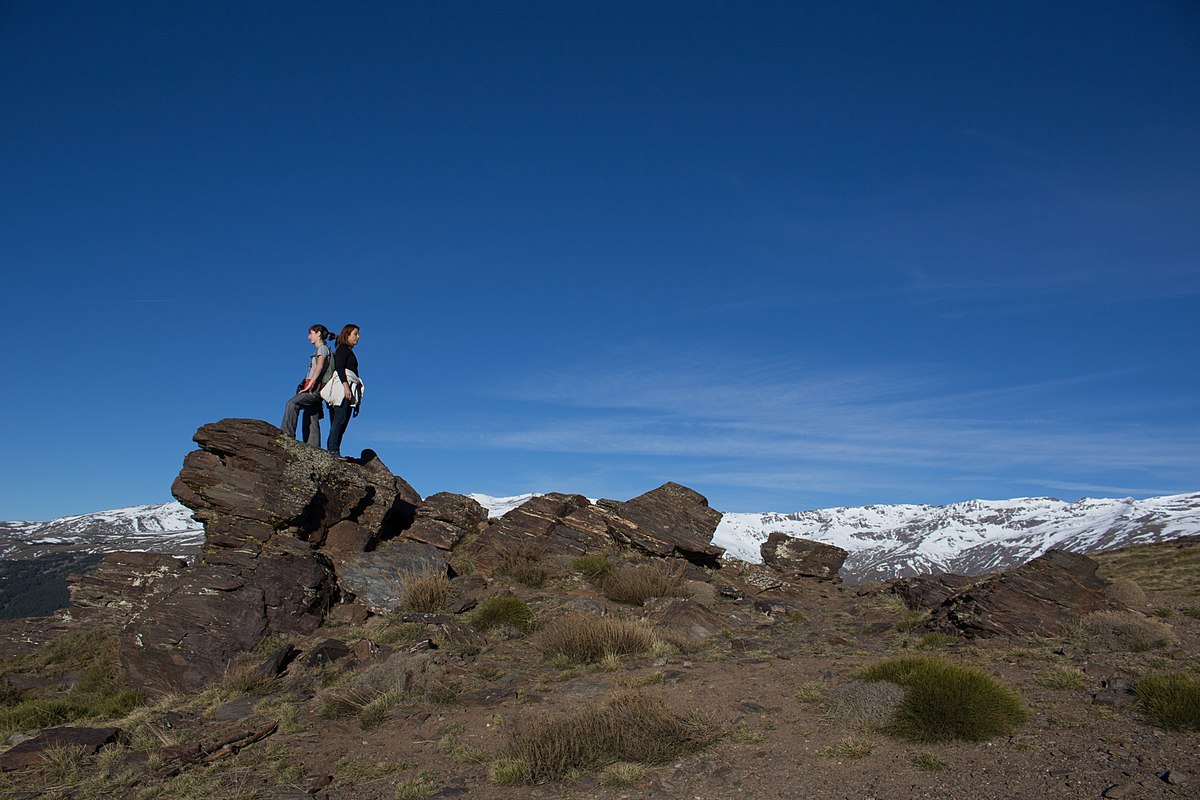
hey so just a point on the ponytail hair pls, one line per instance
(321, 329)
(346, 331)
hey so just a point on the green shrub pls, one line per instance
(585, 639)
(946, 701)
(1171, 700)
(503, 610)
(593, 566)
(629, 727)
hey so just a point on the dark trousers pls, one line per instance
(310, 404)
(339, 419)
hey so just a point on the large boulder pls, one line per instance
(801, 558)
(1042, 598)
(249, 482)
(671, 520)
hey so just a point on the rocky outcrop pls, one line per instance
(291, 532)
(801, 558)
(1044, 598)
(248, 482)
(670, 521)
(279, 517)
(445, 519)
(927, 592)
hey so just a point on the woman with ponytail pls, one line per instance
(308, 398)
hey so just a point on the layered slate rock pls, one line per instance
(445, 519)
(379, 579)
(927, 592)
(1044, 598)
(671, 521)
(248, 482)
(537, 527)
(119, 584)
(279, 517)
(801, 558)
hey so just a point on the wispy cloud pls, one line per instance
(771, 425)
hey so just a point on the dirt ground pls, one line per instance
(767, 683)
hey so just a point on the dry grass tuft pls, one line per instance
(637, 583)
(1126, 592)
(427, 591)
(523, 566)
(1125, 631)
(584, 639)
(630, 727)
(928, 762)
(870, 703)
(1060, 677)
(848, 748)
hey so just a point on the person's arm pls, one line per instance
(341, 358)
(310, 383)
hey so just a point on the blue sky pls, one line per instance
(793, 255)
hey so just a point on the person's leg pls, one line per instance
(311, 403)
(291, 412)
(340, 418)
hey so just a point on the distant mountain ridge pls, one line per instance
(884, 541)
(891, 541)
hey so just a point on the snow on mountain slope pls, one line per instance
(966, 538)
(164, 528)
(884, 541)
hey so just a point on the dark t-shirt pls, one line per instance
(343, 359)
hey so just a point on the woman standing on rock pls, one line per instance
(307, 399)
(344, 403)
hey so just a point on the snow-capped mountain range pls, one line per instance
(884, 541)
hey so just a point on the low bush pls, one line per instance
(1171, 700)
(629, 727)
(426, 591)
(946, 701)
(500, 611)
(585, 639)
(1125, 631)
(637, 583)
